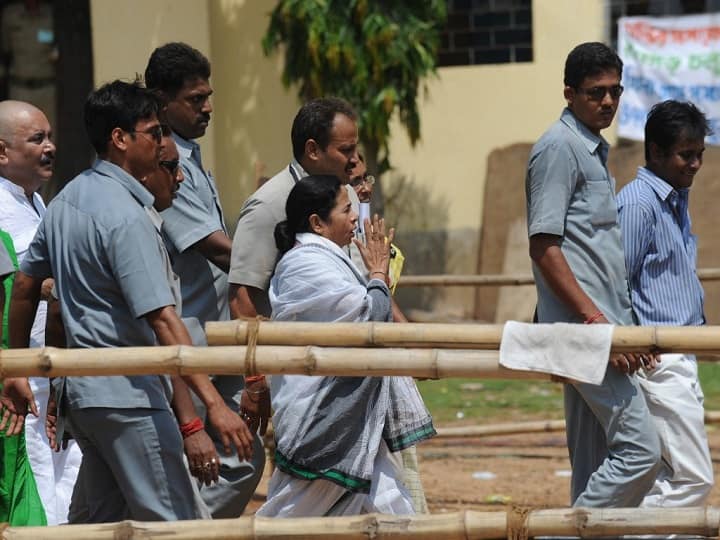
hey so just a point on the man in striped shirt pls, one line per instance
(660, 255)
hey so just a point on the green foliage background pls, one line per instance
(373, 53)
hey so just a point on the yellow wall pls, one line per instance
(124, 33)
(472, 110)
(253, 112)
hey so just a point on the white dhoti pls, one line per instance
(675, 400)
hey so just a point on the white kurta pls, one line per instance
(55, 472)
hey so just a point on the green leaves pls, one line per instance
(372, 53)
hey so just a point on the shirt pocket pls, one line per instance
(600, 200)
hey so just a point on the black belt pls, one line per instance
(32, 83)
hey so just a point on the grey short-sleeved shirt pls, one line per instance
(571, 194)
(108, 261)
(254, 254)
(195, 214)
(6, 264)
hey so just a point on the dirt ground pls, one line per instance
(492, 472)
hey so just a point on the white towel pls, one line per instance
(574, 351)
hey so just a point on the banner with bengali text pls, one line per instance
(669, 58)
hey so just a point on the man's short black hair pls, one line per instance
(172, 65)
(314, 120)
(588, 60)
(670, 121)
(118, 104)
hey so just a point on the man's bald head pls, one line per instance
(12, 113)
(26, 150)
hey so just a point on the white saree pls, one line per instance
(336, 435)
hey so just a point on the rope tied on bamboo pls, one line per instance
(45, 360)
(517, 523)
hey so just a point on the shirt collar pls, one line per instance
(184, 146)
(662, 189)
(19, 193)
(122, 177)
(155, 217)
(589, 139)
(295, 167)
(13, 188)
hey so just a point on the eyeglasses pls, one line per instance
(170, 165)
(368, 179)
(156, 132)
(597, 93)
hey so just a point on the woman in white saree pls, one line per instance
(337, 436)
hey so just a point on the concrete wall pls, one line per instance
(253, 112)
(472, 110)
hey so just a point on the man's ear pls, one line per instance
(165, 98)
(312, 149)
(316, 224)
(655, 153)
(3, 153)
(118, 138)
(569, 94)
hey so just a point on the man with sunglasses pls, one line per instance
(579, 269)
(661, 258)
(101, 239)
(196, 237)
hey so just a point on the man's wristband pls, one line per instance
(191, 427)
(254, 378)
(594, 317)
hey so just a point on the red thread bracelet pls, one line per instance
(592, 318)
(191, 427)
(253, 379)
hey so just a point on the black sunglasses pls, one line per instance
(170, 165)
(157, 132)
(597, 93)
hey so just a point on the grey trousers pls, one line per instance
(612, 440)
(238, 479)
(132, 467)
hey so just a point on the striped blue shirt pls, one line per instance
(660, 252)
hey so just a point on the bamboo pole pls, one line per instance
(184, 360)
(500, 280)
(464, 525)
(352, 362)
(515, 428)
(469, 280)
(686, 339)
(511, 428)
